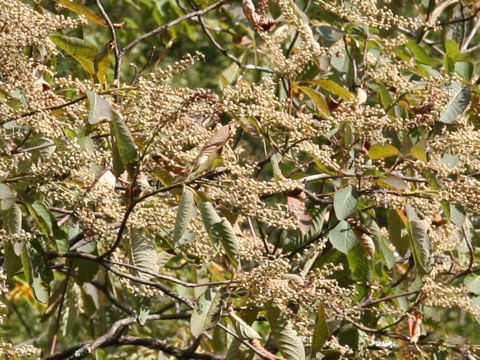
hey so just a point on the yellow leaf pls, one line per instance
(318, 99)
(418, 151)
(81, 9)
(378, 151)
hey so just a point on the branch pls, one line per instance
(470, 36)
(167, 26)
(55, 107)
(113, 300)
(33, 148)
(123, 225)
(113, 338)
(170, 278)
(244, 342)
(387, 298)
(60, 308)
(105, 264)
(228, 55)
(379, 332)
(118, 57)
(295, 37)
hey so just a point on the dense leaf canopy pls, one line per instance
(239, 179)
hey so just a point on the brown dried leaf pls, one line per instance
(261, 350)
(414, 326)
(298, 207)
(363, 234)
(259, 21)
(213, 149)
(422, 109)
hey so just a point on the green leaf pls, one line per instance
(450, 160)
(209, 217)
(233, 352)
(98, 108)
(321, 333)
(393, 181)
(43, 215)
(418, 151)
(464, 69)
(224, 232)
(90, 298)
(84, 270)
(144, 254)
(385, 97)
(459, 100)
(277, 172)
(79, 49)
(101, 63)
(457, 215)
(378, 151)
(348, 335)
(292, 239)
(47, 223)
(286, 338)
(334, 88)
(360, 265)
(329, 34)
(206, 311)
(345, 201)
(245, 331)
(340, 61)
(142, 309)
(13, 262)
(7, 197)
(219, 340)
(395, 225)
(420, 243)
(387, 253)
(230, 74)
(453, 50)
(124, 141)
(6, 192)
(13, 219)
(473, 283)
(419, 53)
(319, 101)
(117, 164)
(342, 237)
(81, 9)
(40, 272)
(185, 212)
(70, 308)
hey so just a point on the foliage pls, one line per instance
(293, 179)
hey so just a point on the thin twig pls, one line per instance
(470, 36)
(50, 108)
(106, 265)
(167, 26)
(387, 298)
(60, 308)
(170, 278)
(295, 37)
(103, 287)
(114, 337)
(244, 342)
(116, 51)
(224, 52)
(149, 60)
(25, 138)
(33, 148)
(264, 241)
(22, 320)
